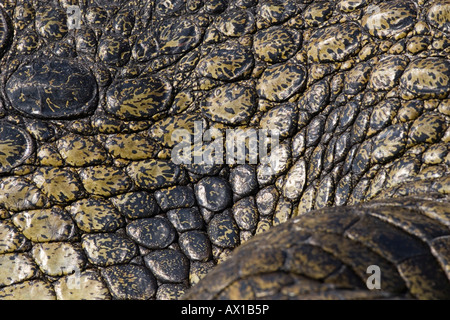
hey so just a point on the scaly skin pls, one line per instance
(92, 205)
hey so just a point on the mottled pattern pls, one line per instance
(236, 23)
(15, 145)
(52, 89)
(107, 249)
(114, 51)
(226, 63)
(439, 15)
(93, 207)
(153, 233)
(138, 99)
(80, 151)
(230, 104)
(334, 43)
(429, 78)
(45, 225)
(280, 82)
(130, 282)
(276, 44)
(325, 254)
(391, 18)
(95, 215)
(5, 30)
(318, 12)
(50, 22)
(58, 258)
(386, 74)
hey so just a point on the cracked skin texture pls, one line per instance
(92, 207)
